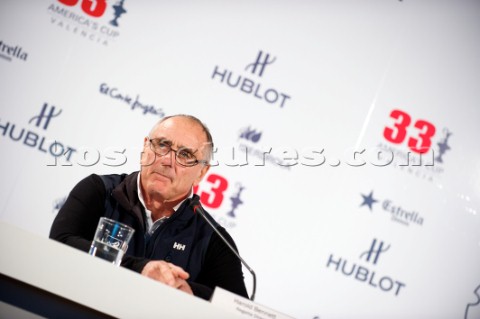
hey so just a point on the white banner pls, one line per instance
(347, 166)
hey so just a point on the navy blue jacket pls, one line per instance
(184, 239)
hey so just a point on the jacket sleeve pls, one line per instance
(77, 220)
(221, 268)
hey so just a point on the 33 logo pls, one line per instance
(94, 8)
(420, 143)
(212, 190)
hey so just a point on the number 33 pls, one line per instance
(397, 134)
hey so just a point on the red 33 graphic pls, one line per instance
(419, 143)
(211, 190)
(94, 8)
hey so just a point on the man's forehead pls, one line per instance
(182, 132)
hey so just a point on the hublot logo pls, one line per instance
(260, 64)
(36, 140)
(249, 86)
(374, 252)
(365, 274)
(43, 115)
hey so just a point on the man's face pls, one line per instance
(161, 176)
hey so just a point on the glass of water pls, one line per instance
(111, 240)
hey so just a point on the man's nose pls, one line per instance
(167, 159)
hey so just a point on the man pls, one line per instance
(171, 243)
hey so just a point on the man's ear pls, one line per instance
(144, 157)
(202, 174)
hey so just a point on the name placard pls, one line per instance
(233, 303)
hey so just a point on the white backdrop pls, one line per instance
(330, 233)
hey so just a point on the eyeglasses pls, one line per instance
(183, 156)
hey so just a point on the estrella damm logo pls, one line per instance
(397, 212)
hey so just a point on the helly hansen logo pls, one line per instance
(260, 64)
(178, 246)
(373, 254)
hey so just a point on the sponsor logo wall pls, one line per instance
(346, 163)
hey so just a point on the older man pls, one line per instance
(156, 203)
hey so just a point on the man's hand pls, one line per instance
(168, 274)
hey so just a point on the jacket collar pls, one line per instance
(126, 194)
